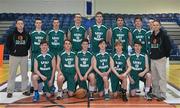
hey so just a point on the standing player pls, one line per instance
(77, 33)
(66, 70)
(56, 38)
(102, 63)
(121, 33)
(84, 68)
(44, 68)
(121, 68)
(36, 37)
(140, 68)
(98, 32)
(139, 33)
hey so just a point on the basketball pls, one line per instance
(80, 93)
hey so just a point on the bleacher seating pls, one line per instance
(66, 20)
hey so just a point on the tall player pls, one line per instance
(77, 33)
(102, 63)
(120, 71)
(56, 38)
(122, 33)
(139, 71)
(44, 68)
(36, 37)
(84, 68)
(98, 32)
(66, 70)
(138, 33)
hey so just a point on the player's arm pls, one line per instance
(37, 71)
(146, 67)
(113, 69)
(111, 63)
(130, 38)
(86, 35)
(53, 68)
(128, 64)
(58, 65)
(90, 33)
(95, 67)
(90, 68)
(77, 68)
(109, 36)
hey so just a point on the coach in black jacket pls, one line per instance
(160, 51)
(18, 44)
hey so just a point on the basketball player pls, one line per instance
(121, 33)
(98, 32)
(66, 70)
(120, 71)
(102, 63)
(138, 33)
(139, 71)
(77, 33)
(84, 68)
(44, 68)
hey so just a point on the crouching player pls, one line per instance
(66, 70)
(44, 68)
(84, 68)
(102, 63)
(121, 68)
(140, 69)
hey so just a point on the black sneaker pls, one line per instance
(9, 95)
(148, 96)
(31, 89)
(124, 96)
(91, 97)
(26, 93)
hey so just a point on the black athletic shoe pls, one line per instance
(32, 90)
(91, 97)
(9, 95)
(26, 93)
(124, 96)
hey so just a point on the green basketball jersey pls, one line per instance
(77, 35)
(56, 41)
(36, 38)
(67, 62)
(103, 61)
(148, 40)
(84, 60)
(98, 33)
(45, 63)
(120, 62)
(140, 36)
(121, 34)
(137, 62)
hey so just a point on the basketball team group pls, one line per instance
(81, 58)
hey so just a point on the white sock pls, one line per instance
(91, 88)
(106, 91)
(147, 89)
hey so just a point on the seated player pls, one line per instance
(122, 67)
(84, 68)
(139, 71)
(102, 63)
(44, 68)
(66, 70)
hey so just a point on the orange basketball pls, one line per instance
(80, 93)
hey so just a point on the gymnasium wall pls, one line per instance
(74, 6)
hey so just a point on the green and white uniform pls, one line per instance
(77, 35)
(140, 36)
(36, 38)
(98, 33)
(120, 34)
(45, 68)
(138, 65)
(67, 66)
(120, 66)
(84, 60)
(148, 40)
(103, 65)
(56, 41)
